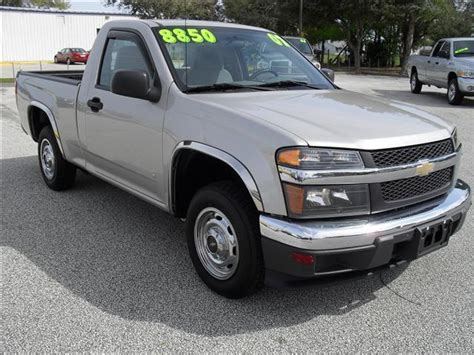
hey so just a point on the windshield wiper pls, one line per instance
(224, 87)
(290, 83)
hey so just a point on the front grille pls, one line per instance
(400, 156)
(416, 186)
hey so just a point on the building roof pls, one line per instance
(63, 12)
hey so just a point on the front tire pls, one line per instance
(57, 173)
(68, 61)
(455, 97)
(224, 240)
(415, 83)
(55, 60)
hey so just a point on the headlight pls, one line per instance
(465, 73)
(454, 137)
(326, 201)
(317, 64)
(308, 201)
(319, 158)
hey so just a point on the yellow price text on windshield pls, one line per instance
(461, 50)
(277, 40)
(187, 35)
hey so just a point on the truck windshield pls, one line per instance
(301, 44)
(463, 48)
(227, 58)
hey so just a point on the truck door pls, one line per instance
(123, 135)
(440, 67)
(431, 66)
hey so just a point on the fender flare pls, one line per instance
(51, 119)
(235, 164)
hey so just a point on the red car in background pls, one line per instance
(71, 55)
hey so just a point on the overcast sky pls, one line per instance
(90, 5)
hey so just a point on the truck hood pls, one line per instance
(336, 118)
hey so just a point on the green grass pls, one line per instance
(7, 80)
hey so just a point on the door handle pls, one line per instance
(436, 63)
(95, 104)
(429, 61)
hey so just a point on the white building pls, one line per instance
(37, 34)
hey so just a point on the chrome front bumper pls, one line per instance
(466, 85)
(357, 232)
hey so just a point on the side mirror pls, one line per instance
(135, 83)
(329, 73)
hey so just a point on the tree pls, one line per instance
(430, 20)
(14, 3)
(191, 9)
(353, 17)
(277, 15)
(57, 4)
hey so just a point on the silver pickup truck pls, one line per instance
(275, 172)
(450, 65)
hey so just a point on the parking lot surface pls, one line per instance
(96, 269)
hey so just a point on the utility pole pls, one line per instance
(301, 18)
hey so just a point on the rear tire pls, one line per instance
(224, 240)
(455, 97)
(415, 84)
(57, 173)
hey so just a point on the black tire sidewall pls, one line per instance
(418, 85)
(240, 283)
(458, 97)
(64, 173)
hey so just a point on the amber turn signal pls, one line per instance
(295, 198)
(289, 157)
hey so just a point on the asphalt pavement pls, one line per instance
(96, 269)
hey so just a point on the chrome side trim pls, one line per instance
(363, 176)
(52, 121)
(235, 164)
(356, 232)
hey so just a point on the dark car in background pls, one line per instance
(71, 56)
(305, 47)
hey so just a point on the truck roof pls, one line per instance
(198, 23)
(457, 39)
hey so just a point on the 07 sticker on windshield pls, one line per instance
(278, 40)
(187, 35)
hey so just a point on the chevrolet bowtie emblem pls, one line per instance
(424, 168)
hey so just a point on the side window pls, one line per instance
(437, 48)
(123, 53)
(444, 51)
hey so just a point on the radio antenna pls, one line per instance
(186, 43)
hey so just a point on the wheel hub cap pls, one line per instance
(452, 92)
(47, 159)
(216, 243)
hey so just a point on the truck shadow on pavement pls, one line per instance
(425, 99)
(130, 259)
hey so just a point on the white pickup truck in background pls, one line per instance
(450, 65)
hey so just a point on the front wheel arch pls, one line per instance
(211, 165)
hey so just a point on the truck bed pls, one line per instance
(73, 77)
